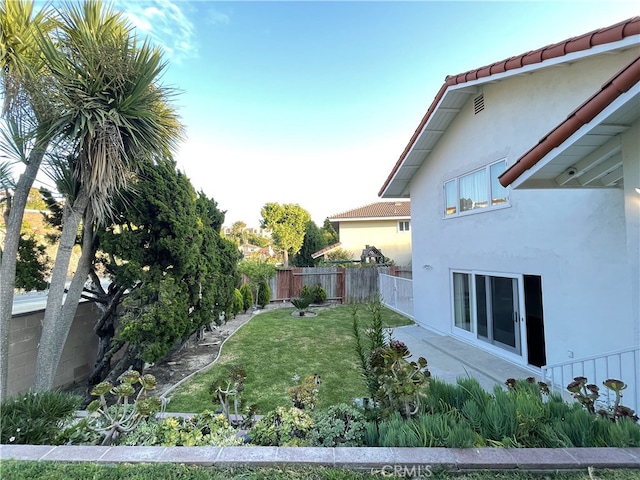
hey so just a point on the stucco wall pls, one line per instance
(383, 234)
(575, 240)
(77, 359)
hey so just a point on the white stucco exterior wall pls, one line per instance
(631, 168)
(575, 240)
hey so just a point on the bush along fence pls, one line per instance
(342, 285)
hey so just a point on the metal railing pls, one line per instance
(397, 294)
(621, 364)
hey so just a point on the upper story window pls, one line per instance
(403, 226)
(476, 191)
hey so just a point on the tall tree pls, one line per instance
(239, 232)
(114, 117)
(287, 224)
(330, 235)
(314, 240)
(28, 113)
(166, 251)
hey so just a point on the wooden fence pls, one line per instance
(343, 285)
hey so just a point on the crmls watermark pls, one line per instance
(404, 471)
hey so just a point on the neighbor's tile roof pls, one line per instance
(377, 210)
(610, 34)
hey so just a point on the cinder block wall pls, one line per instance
(78, 356)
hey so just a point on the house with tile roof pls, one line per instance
(383, 225)
(527, 242)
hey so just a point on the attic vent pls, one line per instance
(478, 104)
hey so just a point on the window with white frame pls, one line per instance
(403, 226)
(476, 191)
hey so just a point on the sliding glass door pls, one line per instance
(488, 306)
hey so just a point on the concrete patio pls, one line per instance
(450, 358)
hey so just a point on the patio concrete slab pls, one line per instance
(450, 358)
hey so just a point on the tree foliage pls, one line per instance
(314, 240)
(166, 248)
(31, 268)
(287, 223)
(330, 235)
(258, 271)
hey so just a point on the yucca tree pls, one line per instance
(114, 116)
(27, 113)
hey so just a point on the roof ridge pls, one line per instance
(602, 36)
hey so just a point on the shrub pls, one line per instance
(203, 429)
(264, 294)
(247, 296)
(305, 395)
(340, 425)
(36, 418)
(282, 428)
(237, 305)
(319, 294)
(305, 291)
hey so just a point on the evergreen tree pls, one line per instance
(166, 250)
(314, 240)
(330, 235)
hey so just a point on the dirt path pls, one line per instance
(194, 355)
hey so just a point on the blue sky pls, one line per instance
(313, 102)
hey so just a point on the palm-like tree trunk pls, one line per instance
(9, 260)
(57, 319)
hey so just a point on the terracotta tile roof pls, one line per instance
(602, 36)
(377, 210)
(620, 83)
(319, 253)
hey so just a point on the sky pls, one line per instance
(312, 102)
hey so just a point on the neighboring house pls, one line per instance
(384, 225)
(252, 251)
(527, 239)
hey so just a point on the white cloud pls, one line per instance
(165, 23)
(215, 17)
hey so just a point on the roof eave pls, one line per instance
(619, 36)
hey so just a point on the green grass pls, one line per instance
(275, 346)
(17, 470)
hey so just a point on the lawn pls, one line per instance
(17, 470)
(276, 347)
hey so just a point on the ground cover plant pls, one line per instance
(277, 349)
(35, 418)
(19, 470)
